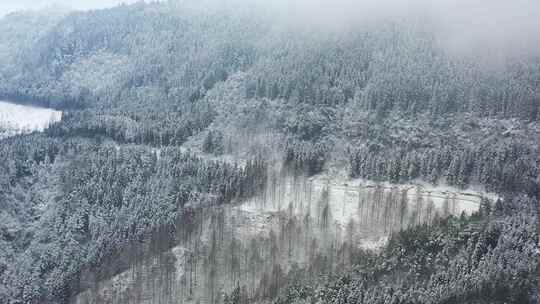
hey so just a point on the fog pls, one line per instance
(488, 27)
(492, 27)
(9, 6)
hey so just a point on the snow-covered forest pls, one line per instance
(205, 153)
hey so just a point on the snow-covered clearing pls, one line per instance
(315, 223)
(16, 119)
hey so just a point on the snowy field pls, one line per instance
(315, 223)
(16, 119)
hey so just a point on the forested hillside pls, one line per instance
(170, 108)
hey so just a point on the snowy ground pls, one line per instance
(16, 119)
(372, 208)
(315, 223)
(293, 221)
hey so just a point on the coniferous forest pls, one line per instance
(216, 153)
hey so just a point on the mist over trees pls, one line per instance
(158, 97)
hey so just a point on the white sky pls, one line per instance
(8, 6)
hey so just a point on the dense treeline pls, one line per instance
(499, 168)
(103, 199)
(305, 157)
(151, 129)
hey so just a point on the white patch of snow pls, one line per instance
(16, 119)
(179, 253)
(374, 244)
(291, 223)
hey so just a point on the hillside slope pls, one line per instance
(170, 110)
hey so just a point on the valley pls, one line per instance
(297, 229)
(248, 152)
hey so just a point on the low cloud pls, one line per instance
(9, 6)
(497, 27)
(489, 27)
